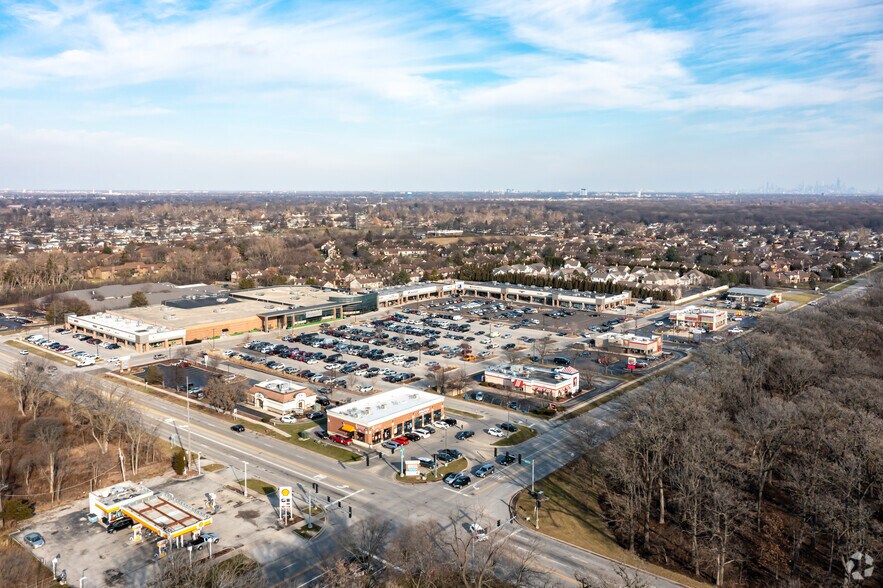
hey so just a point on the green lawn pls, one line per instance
(333, 451)
(259, 486)
(581, 522)
(470, 415)
(296, 428)
(213, 467)
(842, 285)
(800, 297)
(520, 436)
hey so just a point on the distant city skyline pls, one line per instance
(448, 95)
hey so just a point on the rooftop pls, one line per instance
(293, 296)
(115, 296)
(281, 386)
(119, 325)
(386, 405)
(181, 318)
(750, 292)
(529, 372)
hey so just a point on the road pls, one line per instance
(370, 490)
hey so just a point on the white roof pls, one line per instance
(385, 406)
(125, 328)
(280, 386)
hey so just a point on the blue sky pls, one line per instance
(481, 95)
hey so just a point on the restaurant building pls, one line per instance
(386, 415)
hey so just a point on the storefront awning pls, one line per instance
(348, 428)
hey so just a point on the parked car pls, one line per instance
(508, 427)
(495, 432)
(118, 524)
(35, 540)
(402, 440)
(287, 418)
(463, 435)
(427, 462)
(390, 444)
(203, 540)
(451, 477)
(341, 440)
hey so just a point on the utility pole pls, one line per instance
(189, 443)
(245, 480)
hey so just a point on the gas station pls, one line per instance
(171, 521)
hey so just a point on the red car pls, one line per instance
(341, 439)
(401, 440)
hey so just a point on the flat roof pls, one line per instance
(117, 296)
(630, 337)
(697, 310)
(123, 492)
(750, 292)
(124, 327)
(294, 296)
(530, 373)
(166, 514)
(182, 318)
(385, 406)
(282, 386)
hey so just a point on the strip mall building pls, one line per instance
(710, 319)
(386, 415)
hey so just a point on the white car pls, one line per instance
(423, 432)
(737, 330)
(366, 388)
(23, 352)
(287, 418)
(495, 432)
(659, 323)
(440, 424)
(478, 531)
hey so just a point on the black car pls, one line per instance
(445, 456)
(508, 427)
(322, 434)
(118, 524)
(412, 436)
(452, 452)
(450, 421)
(322, 400)
(464, 435)
(461, 482)
(238, 428)
(505, 460)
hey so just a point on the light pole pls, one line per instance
(531, 462)
(245, 480)
(189, 443)
(83, 579)
(55, 565)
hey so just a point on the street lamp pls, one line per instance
(245, 480)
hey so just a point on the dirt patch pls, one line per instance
(248, 515)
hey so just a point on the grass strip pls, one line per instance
(519, 436)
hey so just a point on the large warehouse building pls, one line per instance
(386, 415)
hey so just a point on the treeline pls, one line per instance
(484, 273)
(51, 449)
(761, 461)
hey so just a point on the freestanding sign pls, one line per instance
(286, 502)
(412, 467)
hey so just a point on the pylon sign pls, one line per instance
(286, 502)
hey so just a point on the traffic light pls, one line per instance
(519, 458)
(367, 460)
(495, 452)
(351, 512)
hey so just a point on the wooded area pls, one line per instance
(759, 462)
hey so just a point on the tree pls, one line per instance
(246, 283)
(16, 509)
(400, 278)
(154, 376)
(29, 382)
(48, 434)
(175, 571)
(224, 395)
(541, 346)
(139, 298)
(179, 461)
(102, 412)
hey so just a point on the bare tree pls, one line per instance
(48, 434)
(102, 411)
(238, 572)
(224, 395)
(30, 380)
(513, 356)
(542, 346)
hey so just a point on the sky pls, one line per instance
(440, 95)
